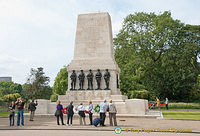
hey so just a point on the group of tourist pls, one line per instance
(158, 103)
(20, 111)
(104, 108)
(82, 111)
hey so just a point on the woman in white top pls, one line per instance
(81, 112)
(166, 103)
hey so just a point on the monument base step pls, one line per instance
(97, 115)
(123, 106)
(94, 95)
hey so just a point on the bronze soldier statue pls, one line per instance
(81, 77)
(107, 79)
(90, 80)
(98, 79)
(73, 80)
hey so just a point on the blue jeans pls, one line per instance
(20, 114)
(12, 119)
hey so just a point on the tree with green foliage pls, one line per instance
(9, 87)
(159, 54)
(37, 86)
(61, 82)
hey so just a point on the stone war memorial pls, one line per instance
(93, 74)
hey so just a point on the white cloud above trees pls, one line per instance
(41, 33)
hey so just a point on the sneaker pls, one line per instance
(71, 124)
(67, 124)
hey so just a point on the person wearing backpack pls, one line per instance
(32, 108)
(81, 112)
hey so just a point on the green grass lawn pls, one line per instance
(181, 105)
(181, 114)
(7, 113)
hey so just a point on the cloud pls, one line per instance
(184, 10)
(10, 65)
(36, 33)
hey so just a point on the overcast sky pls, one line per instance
(41, 33)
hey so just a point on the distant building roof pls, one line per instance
(5, 78)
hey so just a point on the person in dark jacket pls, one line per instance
(90, 111)
(59, 113)
(12, 113)
(70, 113)
(32, 108)
(20, 111)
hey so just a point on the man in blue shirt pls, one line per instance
(103, 110)
(90, 111)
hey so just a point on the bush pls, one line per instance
(182, 105)
(54, 97)
(11, 97)
(140, 94)
(194, 94)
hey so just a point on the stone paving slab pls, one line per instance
(47, 125)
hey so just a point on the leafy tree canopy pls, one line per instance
(9, 87)
(61, 82)
(37, 86)
(159, 54)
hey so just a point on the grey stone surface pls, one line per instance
(94, 49)
(47, 126)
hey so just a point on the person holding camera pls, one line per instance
(20, 111)
(32, 108)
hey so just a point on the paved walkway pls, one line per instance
(47, 126)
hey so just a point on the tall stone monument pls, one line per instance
(94, 55)
(93, 74)
(94, 50)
